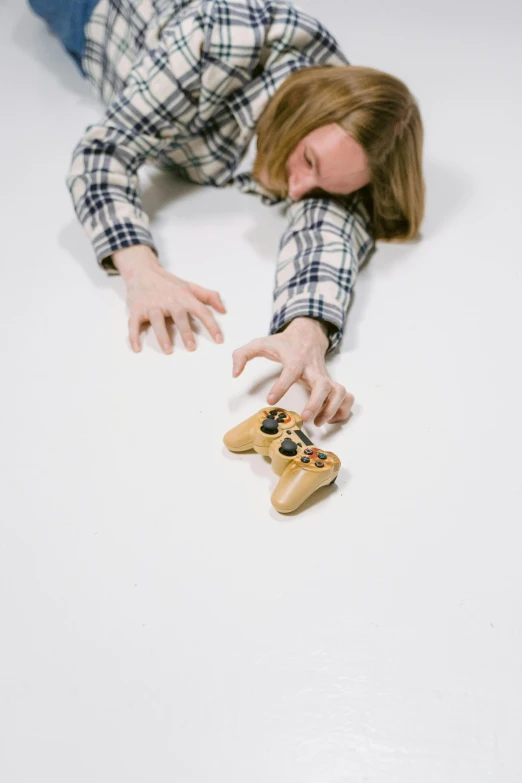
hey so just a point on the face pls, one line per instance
(326, 161)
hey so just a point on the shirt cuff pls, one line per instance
(122, 234)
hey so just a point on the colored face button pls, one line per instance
(319, 464)
(321, 455)
(305, 459)
(308, 451)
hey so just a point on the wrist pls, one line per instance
(131, 261)
(308, 327)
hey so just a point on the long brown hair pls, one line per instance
(374, 108)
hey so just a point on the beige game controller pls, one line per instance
(303, 468)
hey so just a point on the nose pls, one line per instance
(300, 182)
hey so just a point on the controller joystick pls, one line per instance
(288, 448)
(270, 426)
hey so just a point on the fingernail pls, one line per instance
(271, 398)
(219, 337)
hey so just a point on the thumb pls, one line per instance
(243, 355)
(208, 297)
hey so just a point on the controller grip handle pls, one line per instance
(295, 486)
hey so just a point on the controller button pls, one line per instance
(270, 427)
(309, 451)
(288, 448)
(305, 459)
(321, 455)
(319, 464)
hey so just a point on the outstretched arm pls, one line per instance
(320, 254)
(103, 180)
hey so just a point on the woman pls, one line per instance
(191, 84)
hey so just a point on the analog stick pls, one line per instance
(270, 427)
(288, 448)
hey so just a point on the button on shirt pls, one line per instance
(184, 83)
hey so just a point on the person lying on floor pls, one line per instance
(194, 85)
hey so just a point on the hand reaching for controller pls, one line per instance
(154, 294)
(301, 349)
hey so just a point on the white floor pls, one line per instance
(158, 621)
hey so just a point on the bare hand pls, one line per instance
(154, 294)
(301, 349)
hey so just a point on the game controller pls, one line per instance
(303, 468)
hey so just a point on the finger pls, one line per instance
(135, 322)
(332, 404)
(207, 319)
(243, 355)
(182, 321)
(157, 320)
(320, 391)
(288, 377)
(211, 298)
(345, 410)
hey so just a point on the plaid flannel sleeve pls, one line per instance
(320, 253)
(103, 176)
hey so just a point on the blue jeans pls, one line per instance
(67, 20)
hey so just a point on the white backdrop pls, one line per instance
(159, 622)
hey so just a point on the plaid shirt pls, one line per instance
(184, 83)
